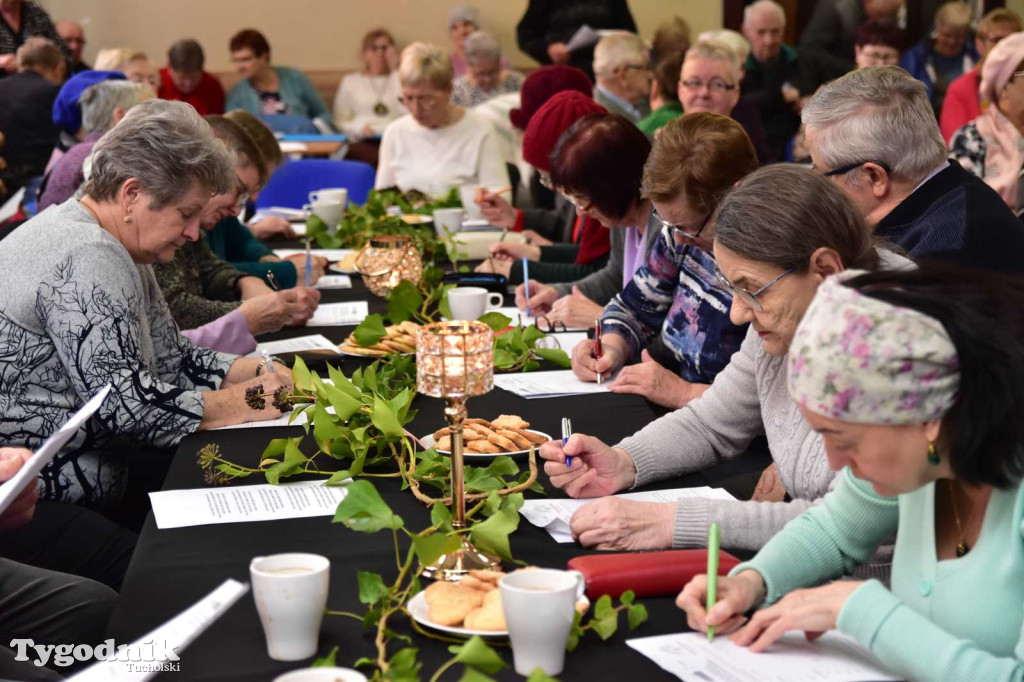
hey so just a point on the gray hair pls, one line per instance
(425, 64)
(717, 49)
(763, 5)
(465, 13)
(99, 100)
(619, 49)
(481, 46)
(186, 56)
(879, 114)
(167, 147)
(782, 214)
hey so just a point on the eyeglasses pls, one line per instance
(379, 48)
(843, 170)
(713, 84)
(582, 205)
(681, 230)
(425, 101)
(748, 297)
(243, 192)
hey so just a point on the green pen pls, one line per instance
(712, 595)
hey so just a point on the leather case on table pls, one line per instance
(648, 574)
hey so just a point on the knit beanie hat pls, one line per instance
(67, 114)
(550, 121)
(541, 85)
(464, 13)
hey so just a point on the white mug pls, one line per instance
(322, 675)
(291, 594)
(329, 212)
(469, 303)
(448, 220)
(468, 195)
(330, 195)
(540, 606)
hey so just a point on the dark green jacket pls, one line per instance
(234, 242)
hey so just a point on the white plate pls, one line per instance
(333, 267)
(420, 612)
(416, 219)
(428, 442)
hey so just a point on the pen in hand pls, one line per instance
(597, 345)
(309, 262)
(712, 591)
(566, 433)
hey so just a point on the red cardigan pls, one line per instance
(962, 104)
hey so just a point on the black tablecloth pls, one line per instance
(171, 569)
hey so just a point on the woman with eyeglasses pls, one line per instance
(778, 235)
(438, 145)
(675, 297)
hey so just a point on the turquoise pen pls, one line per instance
(309, 263)
(712, 595)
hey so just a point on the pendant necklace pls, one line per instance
(961, 547)
(380, 108)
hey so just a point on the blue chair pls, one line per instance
(288, 124)
(291, 184)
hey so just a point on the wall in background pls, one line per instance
(1016, 5)
(318, 34)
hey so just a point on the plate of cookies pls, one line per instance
(469, 607)
(508, 434)
(346, 266)
(400, 340)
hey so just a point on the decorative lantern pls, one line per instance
(386, 261)
(455, 361)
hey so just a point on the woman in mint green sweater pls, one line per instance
(916, 381)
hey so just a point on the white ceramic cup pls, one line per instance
(468, 195)
(291, 594)
(539, 609)
(448, 220)
(330, 195)
(331, 212)
(469, 303)
(322, 675)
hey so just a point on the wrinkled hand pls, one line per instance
(270, 226)
(735, 596)
(615, 524)
(575, 310)
(512, 251)
(23, 506)
(654, 382)
(271, 381)
(597, 469)
(271, 312)
(542, 297)
(319, 267)
(495, 208)
(499, 266)
(614, 354)
(558, 53)
(535, 238)
(814, 610)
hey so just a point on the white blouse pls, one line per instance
(356, 103)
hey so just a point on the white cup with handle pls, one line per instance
(330, 195)
(290, 591)
(469, 303)
(449, 220)
(330, 212)
(540, 606)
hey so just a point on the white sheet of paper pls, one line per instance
(334, 282)
(10, 489)
(339, 314)
(286, 212)
(333, 255)
(175, 634)
(298, 227)
(298, 344)
(568, 340)
(832, 658)
(584, 36)
(553, 515)
(244, 503)
(293, 147)
(516, 315)
(562, 382)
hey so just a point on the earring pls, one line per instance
(127, 218)
(933, 454)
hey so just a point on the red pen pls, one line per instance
(597, 344)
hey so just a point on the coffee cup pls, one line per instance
(330, 195)
(291, 594)
(539, 609)
(468, 195)
(469, 303)
(448, 220)
(331, 212)
(322, 674)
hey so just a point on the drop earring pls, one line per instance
(933, 454)
(127, 218)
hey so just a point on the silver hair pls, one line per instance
(167, 147)
(753, 8)
(878, 114)
(481, 46)
(717, 49)
(618, 49)
(782, 214)
(99, 100)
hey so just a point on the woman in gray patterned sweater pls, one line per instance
(84, 310)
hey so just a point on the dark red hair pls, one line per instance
(252, 39)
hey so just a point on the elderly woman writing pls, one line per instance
(778, 236)
(992, 146)
(438, 145)
(89, 310)
(920, 410)
(486, 77)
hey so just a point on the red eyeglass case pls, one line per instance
(648, 574)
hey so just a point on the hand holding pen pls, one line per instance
(566, 433)
(598, 350)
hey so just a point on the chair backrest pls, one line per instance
(291, 184)
(288, 124)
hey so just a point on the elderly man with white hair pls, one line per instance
(772, 74)
(710, 81)
(486, 77)
(623, 73)
(874, 134)
(73, 35)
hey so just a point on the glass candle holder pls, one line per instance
(386, 261)
(454, 359)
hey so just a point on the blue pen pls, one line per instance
(566, 433)
(309, 263)
(526, 284)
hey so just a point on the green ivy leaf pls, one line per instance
(554, 355)
(531, 334)
(371, 587)
(538, 675)
(338, 477)
(492, 534)
(503, 359)
(301, 376)
(325, 428)
(365, 511)
(293, 461)
(636, 614)
(370, 331)
(605, 627)
(492, 504)
(342, 383)
(575, 632)
(476, 653)
(481, 480)
(429, 548)
(328, 661)
(403, 666)
(496, 321)
(603, 608)
(344, 404)
(385, 419)
(503, 466)
(627, 597)
(474, 675)
(442, 304)
(440, 514)
(403, 301)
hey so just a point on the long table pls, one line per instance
(173, 568)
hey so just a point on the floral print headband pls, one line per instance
(857, 359)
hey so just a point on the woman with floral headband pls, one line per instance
(916, 381)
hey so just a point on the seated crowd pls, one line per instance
(814, 244)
